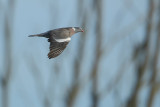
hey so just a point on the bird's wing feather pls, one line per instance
(56, 48)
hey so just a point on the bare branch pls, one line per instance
(98, 52)
(141, 66)
(154, 88)
(7, 52)
(75, 88)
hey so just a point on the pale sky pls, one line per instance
(37, 16)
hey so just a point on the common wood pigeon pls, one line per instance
(59, 39)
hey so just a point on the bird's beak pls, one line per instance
(82, 30)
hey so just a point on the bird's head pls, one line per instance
(77, 29)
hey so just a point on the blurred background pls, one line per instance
(114, 63)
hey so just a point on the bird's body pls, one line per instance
(59, 39)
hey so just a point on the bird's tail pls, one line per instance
(37, 35)
(46, 34)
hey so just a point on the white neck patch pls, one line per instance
(73, 28)
(63, 40)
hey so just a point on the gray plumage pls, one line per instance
(59, 39)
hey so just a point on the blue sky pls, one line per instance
(37, 16)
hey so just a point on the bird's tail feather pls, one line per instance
(38, 35)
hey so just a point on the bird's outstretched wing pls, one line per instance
(56, 48)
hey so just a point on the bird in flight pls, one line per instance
(59, 39)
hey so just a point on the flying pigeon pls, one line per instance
(59, 39)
